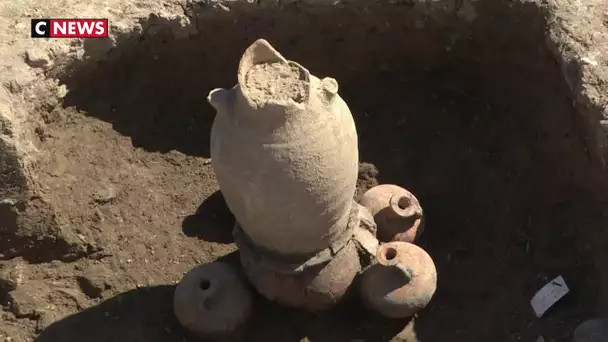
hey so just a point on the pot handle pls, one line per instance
(219, 99)
(330, 87)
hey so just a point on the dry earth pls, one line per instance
(492, 112)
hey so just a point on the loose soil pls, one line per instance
(480, 127)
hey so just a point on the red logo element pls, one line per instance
(70, 28)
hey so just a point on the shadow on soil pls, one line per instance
(212, 222)
(475, 119)
(146, 314)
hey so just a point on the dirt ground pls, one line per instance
(481, 127)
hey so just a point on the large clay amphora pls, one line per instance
(287, 166)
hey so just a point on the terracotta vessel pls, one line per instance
(314, 287)
(396, 211)
(285, 154)
(285, 162)
(316, 283)
(402, 282)
(212, 302)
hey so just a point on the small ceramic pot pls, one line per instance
(316, 285)
(396, 211)
(401, 283)
(212, 302)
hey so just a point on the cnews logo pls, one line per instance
(70, 28)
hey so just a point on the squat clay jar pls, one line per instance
(396, 211)
(212, 302)
(402, 282)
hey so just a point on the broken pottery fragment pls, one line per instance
(402, 282)
(396, 211)
(285, 154)
(365, 233)
(212, 302)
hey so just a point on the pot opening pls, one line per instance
(204, 284)
(404, 203)
(277, 82)
(390, 253)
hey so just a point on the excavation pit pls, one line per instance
(466, 105)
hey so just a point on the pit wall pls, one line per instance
(29, 225)
(578, 36)
(30, 72)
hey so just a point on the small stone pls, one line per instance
(12, 276)
(62, 91)
(38, 58)
(95, 280)
(24, 300)
(589, 61)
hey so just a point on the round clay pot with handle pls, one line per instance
(402, 282)
(396, 211)
(212, 302)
